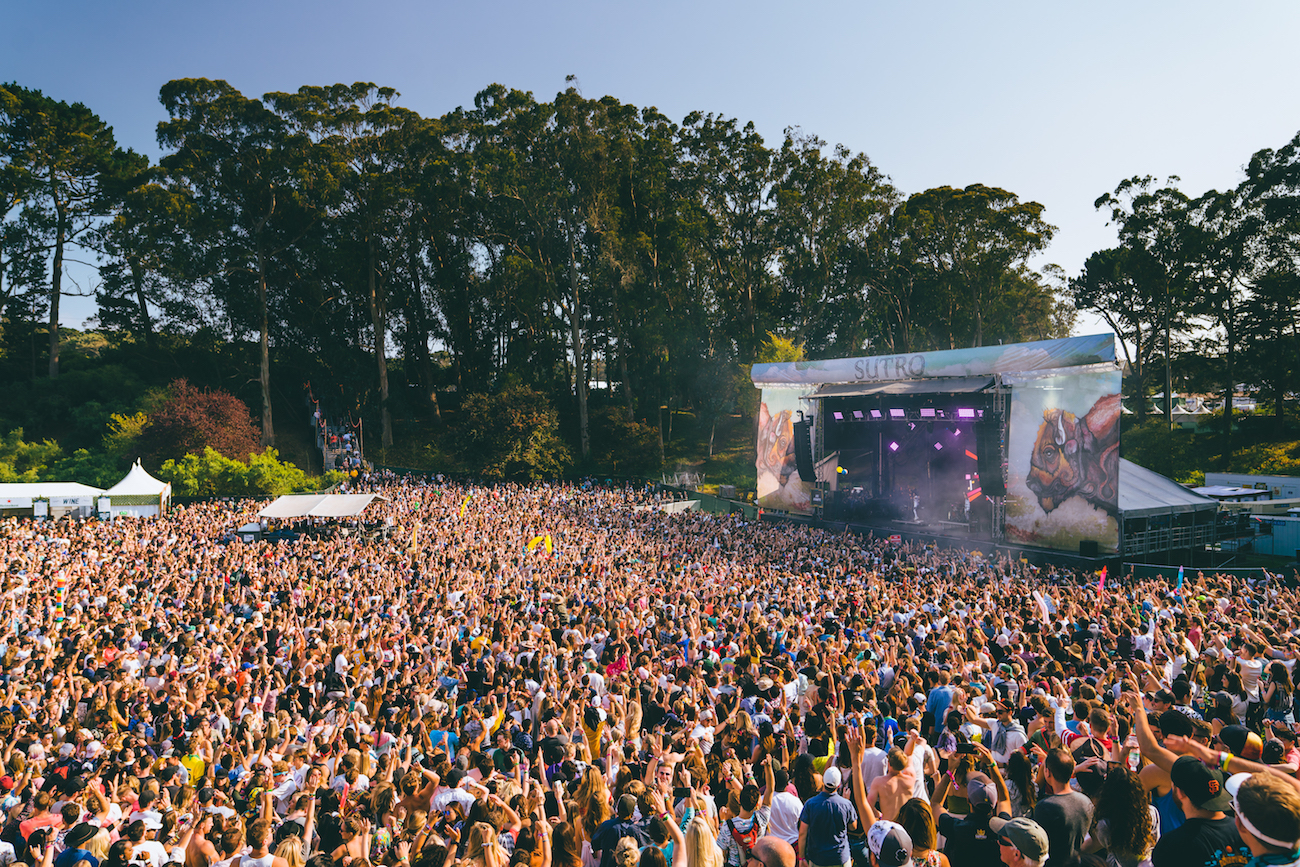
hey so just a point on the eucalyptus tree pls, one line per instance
(66, 161)
(827, 207)
(254, 187)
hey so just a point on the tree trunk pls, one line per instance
(424, 364)
(1141, 384)
(137, 279)
(264, 346)
(713, 430)
(1228, 389)
(579, 373)
(56, 292)
(377, 319)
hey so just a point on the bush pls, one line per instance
(21, 461)
(191, 420)
(513, 436)
(212, 474)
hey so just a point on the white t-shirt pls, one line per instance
(1250, 671)
(918, 768)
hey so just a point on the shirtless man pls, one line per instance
(895, 788)
(200, 852)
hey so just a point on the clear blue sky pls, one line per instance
(1056, 102)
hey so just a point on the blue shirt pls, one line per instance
(828, 817)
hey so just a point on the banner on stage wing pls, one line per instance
(779, 485)
(974, 361)
(1063, 461)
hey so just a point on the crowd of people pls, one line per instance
(562, 675)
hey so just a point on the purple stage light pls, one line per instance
(898, 413)
(938, 447)
(893, 447)
(965, 413)
(927, 412)
(839, 416)
(875, 413)
(956, 431)
(857, 414)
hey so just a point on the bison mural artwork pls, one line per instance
(1078, 457)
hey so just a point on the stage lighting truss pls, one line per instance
(912, 416)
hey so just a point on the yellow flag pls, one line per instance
(533, 542)
(463, 504)
(415, 537)
(548, 543)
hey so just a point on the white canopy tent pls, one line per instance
(319, 505)
(48, 498)
(139, 494)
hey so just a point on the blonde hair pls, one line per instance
(481, 836)
(290, 849)
(701, 848)
(627, 852)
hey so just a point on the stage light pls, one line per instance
(898, 413)
(911, 425)
(970, 454)
(875, 413)
(857, 414)
(839, 416)
(893, 447)
(938, 447)
(927, 412)
(965, 413)
(956, 431)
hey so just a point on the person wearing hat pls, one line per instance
(969, 842)
(824, 825)
(74, 846)
(1208, 836)
(1022, 842)
(1007, 734)
(889, 845)
(1266, 809)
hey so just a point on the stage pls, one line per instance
(912, 460)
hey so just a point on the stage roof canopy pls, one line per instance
(1144, 493)
(319, 505)
(938, 385)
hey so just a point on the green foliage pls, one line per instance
(99, 469)
(21, 461)
(1174, 453)
(212, 474)
(624, 446)
(513, 435)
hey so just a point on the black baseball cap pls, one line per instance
(1202, 784)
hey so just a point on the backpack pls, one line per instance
(745, 839)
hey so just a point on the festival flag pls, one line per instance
(464, 503)
(548, 543)
(1179, 588)
(1101, 582)
(534, 542)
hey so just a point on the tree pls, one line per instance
(826, 210)
(22, 461)
(967, 247)
(1153, 225)
(254, 187)
(190, 420)
(513, 435)
(69, 161)
(1118, 283)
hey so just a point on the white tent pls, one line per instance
(139, 494)
(319, 505)
(48, 498)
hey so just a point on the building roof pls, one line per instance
(1145, 492)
